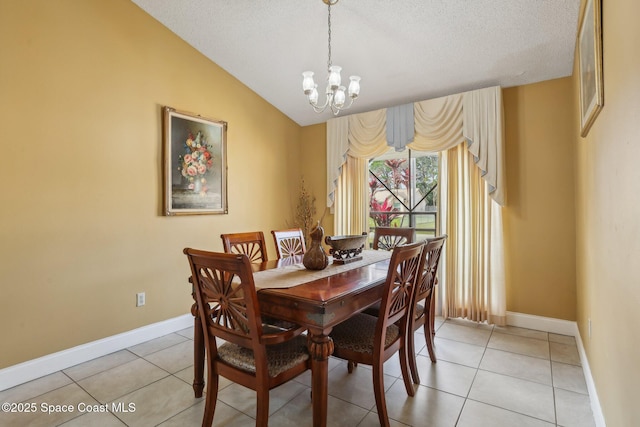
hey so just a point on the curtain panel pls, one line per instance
(483, 129)
(352, 218)
(472, 267)
(337, 133)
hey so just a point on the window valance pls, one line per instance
(442, 123)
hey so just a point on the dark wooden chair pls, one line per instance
(387, 238)
(373, 340)
(423, 309)
(254, 355)
(289, 242)
(251, 244)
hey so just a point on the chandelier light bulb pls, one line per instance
(334, 77)
(307, 82)
(313, 95)
(354, 87)
(338, 97)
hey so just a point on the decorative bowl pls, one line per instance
(346, 248)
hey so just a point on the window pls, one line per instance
(403, 191)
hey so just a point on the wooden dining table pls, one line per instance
(318, 304)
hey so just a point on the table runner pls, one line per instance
(297, 274)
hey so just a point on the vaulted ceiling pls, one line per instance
(404, 50)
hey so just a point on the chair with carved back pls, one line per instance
(250, 243)
(373, 340)
(387, 238)
(424, 303)
(289, 242)
(253, 355)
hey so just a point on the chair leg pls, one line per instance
(262, 410)
(212, 396)
(350, 365)
(411, 356)
(405, 360)
(432, 311)
(430, 332)
(378, 389)
(429, 339)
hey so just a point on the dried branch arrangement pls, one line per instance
(305, 211)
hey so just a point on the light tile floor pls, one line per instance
(485, 376)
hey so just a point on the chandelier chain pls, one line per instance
(329, 32)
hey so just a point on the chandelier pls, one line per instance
(335, 93)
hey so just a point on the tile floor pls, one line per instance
(485, 376)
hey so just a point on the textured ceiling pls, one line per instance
(404, 50)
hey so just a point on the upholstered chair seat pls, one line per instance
(280, 357)
(358, 334)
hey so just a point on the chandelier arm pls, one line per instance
(317, 109)
(336, 110)
(346, 107)
(320, 108)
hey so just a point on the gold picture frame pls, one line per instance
(590, 65)
(195, 164)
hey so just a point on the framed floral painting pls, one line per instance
(195, 164)
(590, 63)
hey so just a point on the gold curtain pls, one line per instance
(473, 266)
(352, 198)
(366, 139)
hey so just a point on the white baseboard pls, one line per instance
(547, 324)
(598, 416)
(563, 327)
(36, 368)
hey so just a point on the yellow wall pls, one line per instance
(608, 221)
(313, 165)
(539, 220)
(82, 84)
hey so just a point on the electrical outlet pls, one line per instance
(140, 299)
(589, 327)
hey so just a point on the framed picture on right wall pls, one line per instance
(590, 65)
